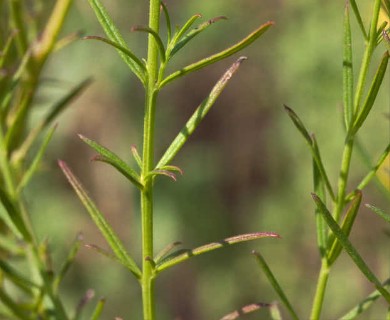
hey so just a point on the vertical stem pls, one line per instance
(147, 281)
(320, 291)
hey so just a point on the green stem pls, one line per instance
(147, 281)
(320, 291)
(343, 178)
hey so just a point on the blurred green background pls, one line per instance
(246, 168)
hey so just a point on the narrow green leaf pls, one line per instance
(15, 215)
(386, 6)
(358, 18)
(55, 111)
(318, 160)
(198, 115)
(246, 310)
(193, 33)
(374, 170)
(321, 228)
(346, 226)
(371, 96)
(349, 248)
(114, 35)
(156, 37)
(180, 33)
(111, 158)
(167, 20)
(185, 254)
(347, 70)
(298, 124)
(67, 263)
(120, 48)
(17, 278)
(98, 310)
(312, 142)
(365, 304)
(218, 56)
(104, 227)
(275, 284)
(6, 48)
(379, 212)
(28, 174)
(13, 307)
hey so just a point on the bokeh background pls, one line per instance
(246, 168)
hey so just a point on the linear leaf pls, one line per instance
(349, 248)
(315, 151)
(111, 158)
(114, 35)
(37, 160)
(167, 20)
(358, 18)
(379, 212)
(298, 124)
(346, 226)
(321, 227)
(193, 33)
(371, 96)
(218, 56)
(275, 284)
(198, 115)
(347, 70)
(98, 310)
(165, 251)
(15, 215)
(104, 227)
(67, 263)
(17, 278)
(180, 33)
(246, 310)
(156, 37)
(365, 304)
(12, 306)
(185, 254)
(374, 169)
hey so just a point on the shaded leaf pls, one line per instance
(365, 304)
(28, 174)
(15, 215)
(349, 248)
(275, 284)
(358, 18)
(185, 254)
(346, 226)
(106, 230)
(167, 20)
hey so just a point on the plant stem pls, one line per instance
(320, 290)
(147, 281)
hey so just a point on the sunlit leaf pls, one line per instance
(220, 55)
(185, 254)
(198, 115)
